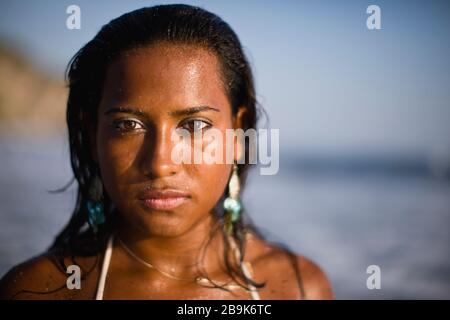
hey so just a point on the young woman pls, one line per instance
(145, 226)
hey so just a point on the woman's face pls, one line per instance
(148, 93)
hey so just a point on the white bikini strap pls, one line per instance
(104, 270)
(245, 268)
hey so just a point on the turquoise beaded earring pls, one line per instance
(232, 204)
(96, 215)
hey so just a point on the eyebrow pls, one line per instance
(193, 110)
(136, 112)
(176, 113)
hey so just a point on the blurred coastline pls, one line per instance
(31, 100)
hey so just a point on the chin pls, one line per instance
(163, 224)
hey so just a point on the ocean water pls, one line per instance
(342, 220)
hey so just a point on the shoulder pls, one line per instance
(34, 275)
(293, 276)
(42, 277)
(315, 281)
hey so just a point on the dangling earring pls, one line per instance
(232, 204)
(96, 215)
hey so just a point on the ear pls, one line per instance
(239, 121)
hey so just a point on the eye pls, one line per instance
(127, 125)
(196, 125)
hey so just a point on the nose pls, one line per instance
(156, 154)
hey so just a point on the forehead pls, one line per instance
(165, 75)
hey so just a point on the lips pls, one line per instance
(163, 199)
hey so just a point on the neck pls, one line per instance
(183, 256)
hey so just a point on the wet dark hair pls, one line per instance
(173, 24)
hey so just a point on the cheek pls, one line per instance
(211, 181)
(116, 157)
(212, 177)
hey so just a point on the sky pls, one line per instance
(327, 82)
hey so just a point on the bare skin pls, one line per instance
(147, 93)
